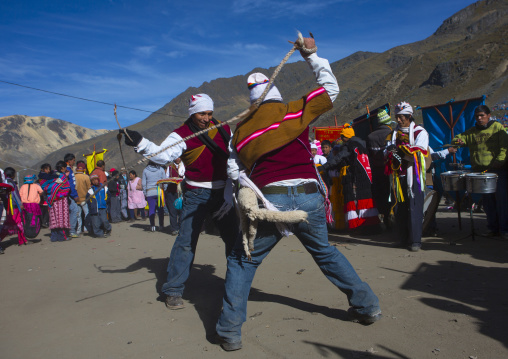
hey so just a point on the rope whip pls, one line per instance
(297, 45)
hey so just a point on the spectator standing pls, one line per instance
(152, 173)
(57, 191)
(97, 207)
(99, 171)
(70, 160)
(115, 210)
(30, 194)
(13, 223)
(136, 196)
(82, 186)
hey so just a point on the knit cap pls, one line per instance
(383, 117)
(199, 103)
(92, 176)
(347, 131)
(257, 83)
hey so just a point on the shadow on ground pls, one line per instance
(204, 290)
(476, 291)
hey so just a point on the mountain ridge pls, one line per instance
(464, 58)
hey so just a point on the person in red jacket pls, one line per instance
(206, 188)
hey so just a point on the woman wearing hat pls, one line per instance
(406, 152)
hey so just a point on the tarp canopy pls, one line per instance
(443, 122)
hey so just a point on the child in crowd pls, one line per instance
(97, 208)
(30, 194)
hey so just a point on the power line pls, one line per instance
(18, 165)
(87, 99)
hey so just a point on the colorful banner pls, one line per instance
(327, 133)
(93, 158)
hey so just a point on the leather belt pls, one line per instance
(307, 188)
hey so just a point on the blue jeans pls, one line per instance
(83, 209)
(73, 216)
(197, 203)
(100, 222)
(314, 237)
(496, 204)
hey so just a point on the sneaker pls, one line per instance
(74, 235)
(174, 302)
(1, 250)
(365, 319)
(107, 233)
(131, 220)
(415, 247)
(153, 229)
(229, 347)
(174, 233)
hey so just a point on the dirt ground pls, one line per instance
(99, 298)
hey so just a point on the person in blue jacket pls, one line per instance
(97, 208)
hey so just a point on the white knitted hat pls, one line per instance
(199, 103)
(403, 108)
(257, 83)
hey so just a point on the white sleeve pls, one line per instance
(181, 170)
(148, 148)
(324, 75)
(439, 154)
(422, 140)
(234, 164)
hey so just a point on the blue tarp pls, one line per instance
(443, 122)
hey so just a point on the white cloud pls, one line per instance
(276, 9)
(175, 54)
(145, 51)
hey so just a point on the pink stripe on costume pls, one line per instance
(313, 94)
(289, 116)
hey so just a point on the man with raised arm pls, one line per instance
(205, 158)
(271, 153)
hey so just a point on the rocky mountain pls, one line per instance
(466, 57)
(27, 140)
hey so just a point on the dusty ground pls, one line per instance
(99, 298)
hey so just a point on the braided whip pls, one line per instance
(297, 45)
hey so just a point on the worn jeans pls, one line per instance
(313, 235)
(197, 203)
(83, 209)
(496, 204)
(73, 216)
(100, 222)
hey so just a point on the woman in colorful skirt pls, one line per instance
(30, 194)
(58, 190)
(14, 208)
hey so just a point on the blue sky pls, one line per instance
(143, 53)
